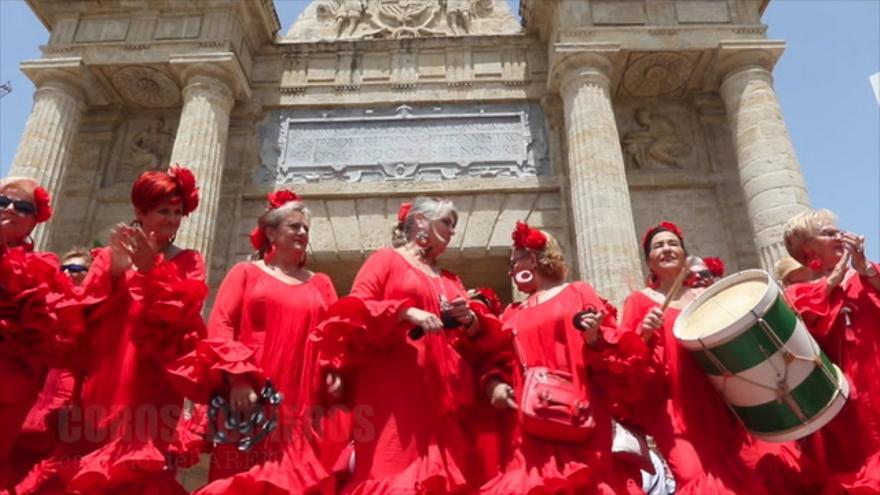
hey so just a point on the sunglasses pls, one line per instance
(74, 268)
(704, 273)
(20, 205)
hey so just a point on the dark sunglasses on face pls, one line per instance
(704, 274)
(74, 268)
(20, 205)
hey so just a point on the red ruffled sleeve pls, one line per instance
(630, 372)
(363, 321)
(202, 372)
(40, 311)
(819, 309)
(171, 294)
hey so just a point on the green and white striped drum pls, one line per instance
(762, 359)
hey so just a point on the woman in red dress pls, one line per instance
(706, 447)
(841, 308)
(38, 323)
(39, 433)
(258, 330)
(405, 375)
(125, 424)
(543, 334)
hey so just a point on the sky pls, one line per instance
(822, 83)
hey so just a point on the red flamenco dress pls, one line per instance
(40, 320)
(259, 329)
(546, 336)
(706, 447)
(122, 437)
(409, 397)
(846, 324)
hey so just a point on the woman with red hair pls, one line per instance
(39, 321)
(258, 331)
(122, 434)
(706, 447)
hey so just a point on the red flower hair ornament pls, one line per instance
(43, 202)
(276, 199)
(403, 212)
(186, 182)
(715, 265)
(669, 226)
(488, 297)
(525, 237)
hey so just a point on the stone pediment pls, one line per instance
(325, 20)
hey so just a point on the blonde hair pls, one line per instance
(803, 227)
(22, 184)
(551, 261)
(78, 252)
(273, 218)
(431, 208)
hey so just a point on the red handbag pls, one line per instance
(552, 406)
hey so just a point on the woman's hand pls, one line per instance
(653, 320)
(242, 396)
(501, 395)
(333, 382)
(856, 246)
(589, 325)
(429, 322)
(837, 273)
(144, 249)
(461, 311)
(120, 250)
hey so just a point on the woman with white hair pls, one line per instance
(841, 308)
(396, 348)
(258, 331)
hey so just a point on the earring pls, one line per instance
(523, 277)
(653, 281)
(28, 243)
(270, 253)
(421, 237)
(815, 264)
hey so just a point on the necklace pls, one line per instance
(288, 273)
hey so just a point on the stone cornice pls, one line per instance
(571, 61)
(69, 70)
(733, 56)
(222, 65)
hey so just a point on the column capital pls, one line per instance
(69, 75)
(732, 57)
(572, 64)
(223, 67)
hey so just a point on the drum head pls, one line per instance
(726, 308)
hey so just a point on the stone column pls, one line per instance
(769, 172)
(46, 146)
(200, 145)
(605, 243)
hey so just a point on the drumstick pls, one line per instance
(679, 281)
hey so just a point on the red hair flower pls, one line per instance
(525, 237)
(186, 182)
(403, 212)
(715, 265)
(258, 240)
(43, 202)
(667, 226)
(488, 297)
(281, 197)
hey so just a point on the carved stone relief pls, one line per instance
(358, 19)
(146, 87)
(405, 143)
(658, 74)
(658, 143)
(143, 143)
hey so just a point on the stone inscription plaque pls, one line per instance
(404, 143)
